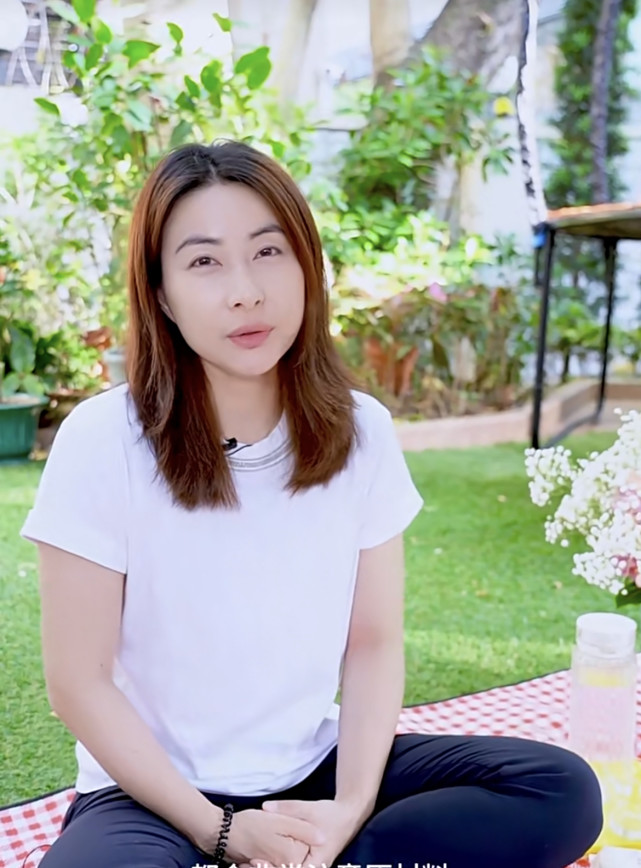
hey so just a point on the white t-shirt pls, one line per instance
(235, 621)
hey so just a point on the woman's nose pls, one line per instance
(244, 291)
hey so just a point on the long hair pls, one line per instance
(167, 381)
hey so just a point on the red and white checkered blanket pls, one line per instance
(534, 709)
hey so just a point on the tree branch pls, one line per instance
(479, 35)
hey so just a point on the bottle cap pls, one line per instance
(606, 634)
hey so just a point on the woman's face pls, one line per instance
(231, 281)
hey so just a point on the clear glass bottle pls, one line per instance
(602, 724)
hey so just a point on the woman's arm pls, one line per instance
(81, 616)
(373, 678)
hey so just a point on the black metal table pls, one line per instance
(610, 224)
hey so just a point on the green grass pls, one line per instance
(489, 602)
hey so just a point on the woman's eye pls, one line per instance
(202, 260)
(269, 251)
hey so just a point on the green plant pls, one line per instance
(44, 364)
(432, 113)
(18, 362)
(59, 274)
(574, 332)
(17, 350)
(426, 314)
(629, 343)
(35, 358)
(351, 231)
(423, 255)
(66, 363)
(137, 107)
(411, 312)
(511, 323)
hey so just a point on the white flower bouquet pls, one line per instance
(600, 501)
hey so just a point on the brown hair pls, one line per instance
(167, 381)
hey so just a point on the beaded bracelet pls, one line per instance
(219, 853)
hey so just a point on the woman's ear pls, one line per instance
(164, 305)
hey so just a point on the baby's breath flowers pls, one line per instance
(601, 501)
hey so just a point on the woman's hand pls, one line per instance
(337, 821)
(270, 838)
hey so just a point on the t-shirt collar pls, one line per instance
(266, 452)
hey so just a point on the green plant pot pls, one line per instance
(61, 403)
(19, 425)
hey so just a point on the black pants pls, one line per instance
(445, 801)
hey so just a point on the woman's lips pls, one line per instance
(249, 340)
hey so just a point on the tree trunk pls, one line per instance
(479, 35)
(601, 71)
(526, 116)
(291, 51)
(247, 31)
(390, 36)
(235, 14)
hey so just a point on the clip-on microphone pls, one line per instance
(231, 446)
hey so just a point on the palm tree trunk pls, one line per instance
(390, 36)
(249, 31)
(526, 116)
(291, 51)
(601, 72)
(479, 35)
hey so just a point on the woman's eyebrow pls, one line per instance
(265, 230)
(207, 239)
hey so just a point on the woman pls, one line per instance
(221, 549)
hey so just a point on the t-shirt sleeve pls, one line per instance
(392, 501)
(81, 501)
